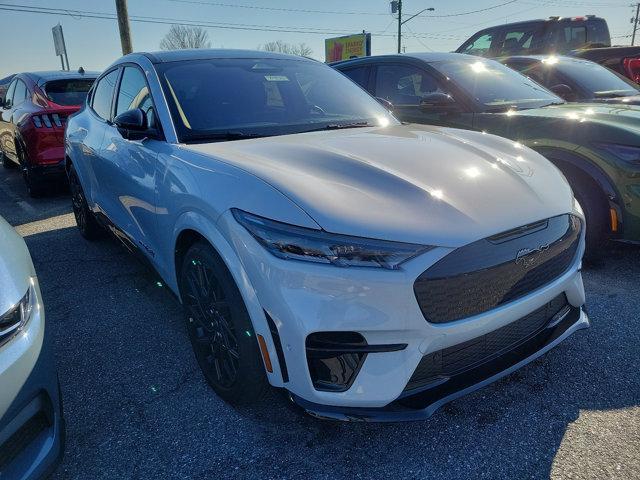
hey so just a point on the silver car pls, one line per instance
(31, 421)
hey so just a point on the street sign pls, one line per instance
(350, 46)
(61, 48)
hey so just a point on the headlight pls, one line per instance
(17, 316)
(628, 154)
(310, 245)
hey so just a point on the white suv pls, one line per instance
(31, 423)
(372, 269)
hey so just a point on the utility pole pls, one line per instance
(396, 7)
(123, 25)
(399, 26)
(635, 25)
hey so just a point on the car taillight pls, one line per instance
(632, 68)
(47, 120)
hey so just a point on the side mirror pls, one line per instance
(563, 91)
(438, 101)
(385, 103)
(132, 124)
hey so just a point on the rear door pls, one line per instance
(130, 166)
(11, 115)
(6, 132)
(89, 137)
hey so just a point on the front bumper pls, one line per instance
(31, 420)
(301, 298)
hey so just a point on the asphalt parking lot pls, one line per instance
(137, 406)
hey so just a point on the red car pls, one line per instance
(32, 120)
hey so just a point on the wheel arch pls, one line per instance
(567, 161)
(193, 227)
(574, 165)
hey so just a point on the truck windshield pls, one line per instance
(495, 86)
(230, 99)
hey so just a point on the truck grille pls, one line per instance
(496, 270)
(443, 364)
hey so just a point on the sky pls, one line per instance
(94, 43)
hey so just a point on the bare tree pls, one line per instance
(301, 49)
(180, 37)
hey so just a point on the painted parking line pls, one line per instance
(47, 225)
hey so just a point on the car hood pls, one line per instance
(16, 267)
(412, 183)
(616, 115)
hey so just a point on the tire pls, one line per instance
(33, 182)
(596, 212)
(6, 163)
(85, 219)
(219, 327)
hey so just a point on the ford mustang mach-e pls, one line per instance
(372, 270)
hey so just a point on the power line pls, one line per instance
(195, 23)
(331, 12)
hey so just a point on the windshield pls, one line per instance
(263, 97)
(495, 86)
(596, 79)
(68, 92)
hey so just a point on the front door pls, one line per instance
(130, 165)
(407, 87)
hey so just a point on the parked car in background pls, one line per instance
(4, 84)
(576, 80)
(596, 146)
(586, 37)
(316, 243)
(31, 421)
(32, 119)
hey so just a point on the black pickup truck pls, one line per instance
(585, 37)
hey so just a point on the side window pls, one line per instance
(103, 94)
(359, 75)
(134, 93)
(9, 94)
(516, 42)
(404, 85)
(479, 45)
(20, 93)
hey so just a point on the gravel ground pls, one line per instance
(137, 406)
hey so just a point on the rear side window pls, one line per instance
(20, 93)
(360, 75)
(480, 45)
(103, 95)
(68, 92)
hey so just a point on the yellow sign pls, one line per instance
(344, 48)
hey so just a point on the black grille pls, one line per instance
(440, 365)
(496, 270)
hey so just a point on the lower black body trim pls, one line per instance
(422, 405)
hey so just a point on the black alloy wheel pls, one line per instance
(219, 327)
(87, 224)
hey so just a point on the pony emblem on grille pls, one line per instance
(526, 256)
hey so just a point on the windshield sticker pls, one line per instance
(276, 78)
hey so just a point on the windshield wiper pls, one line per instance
(340, 126)
(222, 136)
